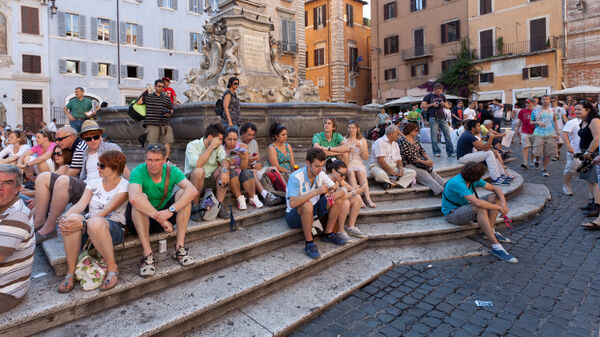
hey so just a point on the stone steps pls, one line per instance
(232, 270)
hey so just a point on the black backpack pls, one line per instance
(219, 110)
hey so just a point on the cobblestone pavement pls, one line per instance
(554, 290)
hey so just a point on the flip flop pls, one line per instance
(68, 284)
(39, 237)
(591, 226)
(106, 285)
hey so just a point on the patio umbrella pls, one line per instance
(581, 89)
(402, 100)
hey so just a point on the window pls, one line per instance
(71, 25)
(195, 42)
(390, 10)
(167, 38)
(390, 45)
(320, 16)
(417, 5)
(132, 33)
(30, 20)
(172, 74)
(305, 19)
(132, 71)
(390, 74)
(288, 36)
(447, 64)
(349, 15)
(196, 6)
(535, 72)
(537, 34)
(451, 31)
(32, 64)
(167, 4)
(418, 70)
(72, 67)
(352, 82)
(29, 96)
(485, 6)
(168, 73)
(353, 59)
(419, 42)
(3, 36)
(319, 56)
(103, 69)
(321, 82)
(103, 29)
(486, 78)
(486, 44)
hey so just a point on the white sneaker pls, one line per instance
(254, 201)
(241, 203)
(345, 236)
(567, 190)
(355, 232)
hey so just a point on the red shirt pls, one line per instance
(525, 117)
(171, 93)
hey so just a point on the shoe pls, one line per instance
(536, 164)
(507, 178)
(593, 213)
(567, 190)
(312, 251)
(437, 155)
(254, 201)
(504, 256)
(555, 158)
(223, 213)
(333, 238)
(524, 166)
(355, 232)
(196, 216)
(271, 199)
(531, 165)
(343, 235)
(499, 237)
(182, 256)
(39, 237)
(544, 173)
(590, 206)
(452, 155)
(241, 203)
(499, 181)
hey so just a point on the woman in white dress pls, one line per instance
(359, 152)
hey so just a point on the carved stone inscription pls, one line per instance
(255, 53)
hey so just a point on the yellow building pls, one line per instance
(518, 47)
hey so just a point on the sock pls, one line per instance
(497, 247)
(264, 193)
(309, 242)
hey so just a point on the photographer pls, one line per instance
(435, 104)
(589, 134)
(158, 116)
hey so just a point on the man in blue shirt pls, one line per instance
(461, 205)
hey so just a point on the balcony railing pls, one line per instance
(417, 52)
(288, 47)
(516, 48)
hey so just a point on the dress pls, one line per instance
(355, 161)
(234, 109)
(284, 160)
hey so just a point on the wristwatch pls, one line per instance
(172, 209)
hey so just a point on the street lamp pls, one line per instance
(53, 8)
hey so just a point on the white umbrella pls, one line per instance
(402, 100)
(581, 89)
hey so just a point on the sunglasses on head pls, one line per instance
(155, 147)
(60, 139)
(101, 166)
(89, 139)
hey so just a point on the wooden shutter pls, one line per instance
(191, 41)
(305, 19)
(486, 44)
(386, 9)
(171, 42)
(322, 56)
(443, 28)
(140, 36)
(349, 15)
(27, 64)
(284, 34)
(324, 13)
(386, 46)
(30, 20)
(544, 71)
(491, 77)
(112, 25)
(413, 6)
(175, 75)
(413, 70)
(94, 68)
(394, 9)
(62, 26)
(93, 28)
(292, 36)
(424, 4)
(62, 66)
(123, 32)
(82, 68)
(112, 70)
(123, 71)
(537, 32)
(316, 57)
(140, 72)
(457, 30)
(174, 3)
(525, 73)
(315, 20)
(426, 69)
(81, 20)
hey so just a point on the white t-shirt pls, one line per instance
(571, 128)
(253, 147)
(51, 127)
(101, 198)
(469, 114)
(8, 151)
(559, 112)
(448, 114)
(497, 110)
(91, 166)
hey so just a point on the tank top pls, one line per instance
(585, 133)
(283, 159)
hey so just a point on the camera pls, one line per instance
(586, 163)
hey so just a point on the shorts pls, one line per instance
(526, 140)
(462, 215)
(571, 165)
(76, 187)
(155, 136)
(544, 146)
(294, 220)
(155, 227)
(116, 230)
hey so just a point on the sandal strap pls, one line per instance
(66, 279)
(182, 251)
(148, 259)
(110, 275)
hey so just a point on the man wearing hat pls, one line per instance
(54, 192)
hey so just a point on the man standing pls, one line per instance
(386, 166)
(497, 113)
(470, 113)
(79, 109)
(545, 134)
(170, 91)
(457, 112)
(154, 206)
(158, 116)
(561, 120)
(524, 125)
(17, 240)
(435, 104)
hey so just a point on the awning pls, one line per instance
(582, 89)
(489, 97)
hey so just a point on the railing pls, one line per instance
(419, 51)
(289, 47)
(516, 48)
(59, 114)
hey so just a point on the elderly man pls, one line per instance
(17, 240)
(54, 192)
(154, 206)
(66, 138)
(386, 166)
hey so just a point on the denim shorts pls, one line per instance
(294, 220)
(115, 229)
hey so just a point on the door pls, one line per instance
(537, 32)
(419, 42)
(486, 44)
(32, 119)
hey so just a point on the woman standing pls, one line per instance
(359, 152)
(280, 153)
(17, 146)
(589, 134)
(231, 104)
(237, 155)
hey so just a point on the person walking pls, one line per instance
(158, 116)
(435, 104)
(545, 134)
(231, 104)
(526, 131)
(79, 109)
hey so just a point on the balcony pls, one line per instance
(288, 47)
(516, 48)
(418, 52)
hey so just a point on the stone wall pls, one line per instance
(582, 66)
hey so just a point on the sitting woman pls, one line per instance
(105, 199)
(415, 157)
(239, 172)
(17, 146)
(61, 159)
(280, 153)
(349, 196)
(359, 152)
(42, 160)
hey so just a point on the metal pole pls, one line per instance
(118, 46)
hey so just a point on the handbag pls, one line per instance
(136, 111)
(89, 270)
(423, 166)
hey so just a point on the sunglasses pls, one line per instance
(101, 166)
(160, 86)
(57, 154)
(236, 83)
(89, 139)
(155, 147)
(60, 139)
(353, 121)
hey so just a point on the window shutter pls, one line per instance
(81, 26)
(35, 21)
(175, 75)
(413, 71)
(413, 6)
(491, 77)
(124, 71)
(545, 71)
(171, 39)
(112, 31)
(25, 20)
(26, 66)
(386, 48)
(316, 56)
(123, 32)
(525, 73)
(386, 9)
(426, 69)
(324, 15)
(284, 34)
(174, 3)
(315, 20)
(36, 63)
(191, 41)
(62, 27)
(161, 72)
(394, 9)
(305, 19)
(112, 70)
(292, 36)
(62, 66)
(94, 68)
(443, 27)
(140, 72)
(350, 15)
(93, 28)
(140, 36)
(82, 68)
(457, 30)
(424, 4)
(322, 56)
(477, 79)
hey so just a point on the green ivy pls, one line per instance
(460, 78)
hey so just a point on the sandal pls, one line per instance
(39, 237)
(108, 280)
(67, 284)
(147, 269)
(182, 256)
(591, 226)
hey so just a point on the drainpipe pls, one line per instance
(118, 46)
(329, 70)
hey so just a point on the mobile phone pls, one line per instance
(239, 150)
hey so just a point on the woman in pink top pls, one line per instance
(42, 161)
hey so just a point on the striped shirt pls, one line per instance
(17, 245)
(78, 149)
(155, 105)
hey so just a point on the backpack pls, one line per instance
(273, 178)
(219, 108)
(209, 206)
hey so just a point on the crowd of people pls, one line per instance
(80, 168)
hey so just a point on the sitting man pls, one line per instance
(154, 207)
(305, 196)
(465, 153)
(202, 159)
(331, 142)
(66, 138)
(247, 134)
(461, 205)
(54, 192)
(17, 240)
(386, 166)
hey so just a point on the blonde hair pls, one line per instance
(358, 135)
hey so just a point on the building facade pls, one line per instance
(337, 50)
(413, 42)
(582, 26)
(517, 46)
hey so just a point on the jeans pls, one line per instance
(436, 123)
(76, 124)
